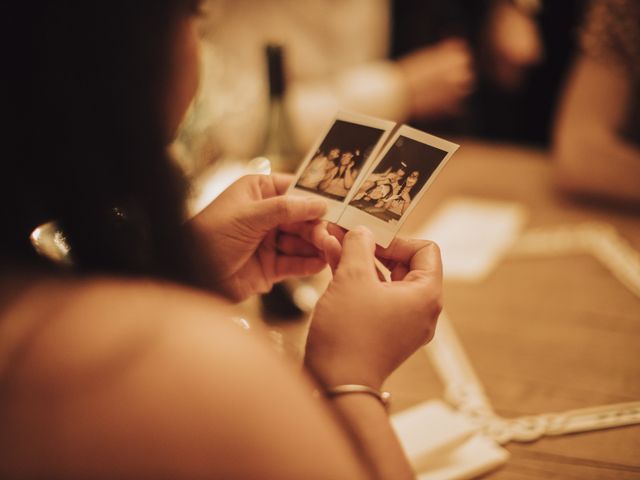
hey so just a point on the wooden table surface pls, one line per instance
(544, 335)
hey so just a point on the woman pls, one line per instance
(318, 168)
(121, 366)
(339, 179)
(399, 203)
(374, 178)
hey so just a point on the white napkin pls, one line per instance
(473, 234)
(442, 444)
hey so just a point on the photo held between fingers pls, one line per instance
(383, 272)
(327, 237)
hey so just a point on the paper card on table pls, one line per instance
(363, 186)
(395, 182)
(475, 457)
(336, 163)
(430, 430)
(474, 234)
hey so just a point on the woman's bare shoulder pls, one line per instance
(81, 321)
(96, 368)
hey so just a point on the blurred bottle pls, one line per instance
(279, 144)
(279, 147)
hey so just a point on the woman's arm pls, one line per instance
(406, 197)
(591, 155)
(388, 202)
(363, 329)
(349, 176)
(368, 423)
(324, 184)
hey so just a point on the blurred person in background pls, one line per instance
(336, 56)
(124, 361)
(597, 130)
(520, 48)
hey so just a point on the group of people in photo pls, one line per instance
(387, 194)
(332, 173)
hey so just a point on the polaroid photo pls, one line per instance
(395, 183)
(337, 162)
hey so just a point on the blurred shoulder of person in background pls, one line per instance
(597, 130)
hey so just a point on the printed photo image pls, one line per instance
(389, 190)
(335, 165)
(371, 172)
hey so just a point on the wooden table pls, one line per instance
(544, 335)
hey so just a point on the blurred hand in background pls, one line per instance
(511, 45)
(438, 78)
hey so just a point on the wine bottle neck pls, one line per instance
(275, 65)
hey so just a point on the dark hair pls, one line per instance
(86, 141)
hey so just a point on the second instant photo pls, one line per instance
(396, 181)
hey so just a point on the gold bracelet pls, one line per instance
(383, 397)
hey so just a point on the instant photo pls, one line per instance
(335, 166)
(395, 183)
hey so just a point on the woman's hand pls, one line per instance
(363, 328)
(350, 175)
(255, 236)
